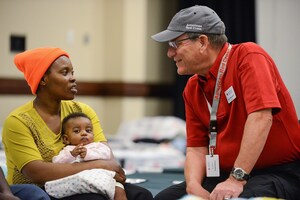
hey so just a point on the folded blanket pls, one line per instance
(99, 181)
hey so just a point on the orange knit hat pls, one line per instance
(34, 63)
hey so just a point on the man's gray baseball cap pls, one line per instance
(196, 19)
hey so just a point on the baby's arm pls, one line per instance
(64, 155)
(97, 150)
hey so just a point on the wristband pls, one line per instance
(119, 185)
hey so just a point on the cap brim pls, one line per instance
(166, 35)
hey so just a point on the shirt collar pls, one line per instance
(214, 69)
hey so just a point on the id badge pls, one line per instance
(212, 165)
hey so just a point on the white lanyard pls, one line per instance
(216, 99)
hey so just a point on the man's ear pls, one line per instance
(203, 40)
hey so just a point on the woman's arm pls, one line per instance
(39, 171)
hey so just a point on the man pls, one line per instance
(243, 135)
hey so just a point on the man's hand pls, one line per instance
(231, 188)
(197, 190)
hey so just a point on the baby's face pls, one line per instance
(79, 130)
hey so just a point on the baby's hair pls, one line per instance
(71, 116)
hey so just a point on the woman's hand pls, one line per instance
(112, 165)
(120, 178)
(120, 194)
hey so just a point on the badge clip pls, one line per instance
(211, 151)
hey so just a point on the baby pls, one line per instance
(77, 134)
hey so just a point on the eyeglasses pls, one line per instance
(175, 44)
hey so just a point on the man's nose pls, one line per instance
(171, 52)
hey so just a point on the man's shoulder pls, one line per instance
(193, 79)
(248, 47)
(192, 83)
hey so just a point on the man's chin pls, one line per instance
(182, 72)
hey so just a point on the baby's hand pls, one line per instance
(78, 150)
(83, 152)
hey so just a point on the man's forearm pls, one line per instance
(195, 164)
(256, 131)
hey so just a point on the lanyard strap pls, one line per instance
(216, 99)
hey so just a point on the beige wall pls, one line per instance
(278, 30)
(108, 40)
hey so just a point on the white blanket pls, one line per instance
(88, 181)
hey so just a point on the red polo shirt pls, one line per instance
(257, 84)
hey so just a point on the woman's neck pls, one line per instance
(47, 107)
(50, 113)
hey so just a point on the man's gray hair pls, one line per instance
(216, 40)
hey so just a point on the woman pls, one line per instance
(31, 133)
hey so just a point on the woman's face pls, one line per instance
(60, 83)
